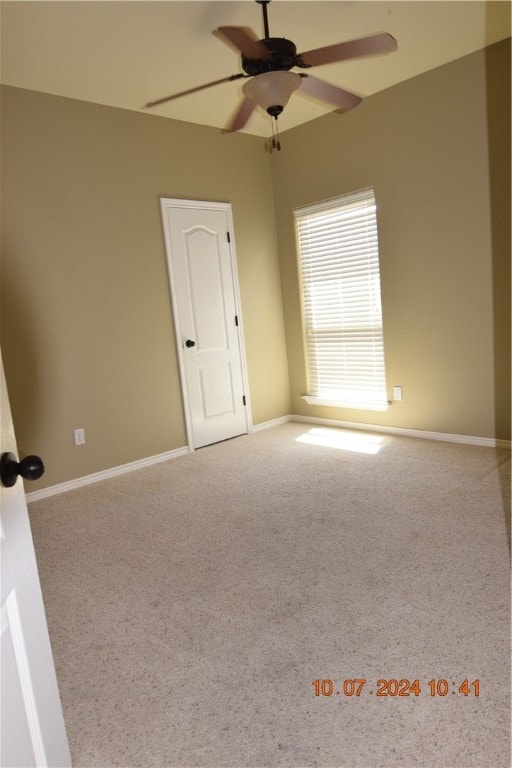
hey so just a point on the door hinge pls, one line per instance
(236, 319)
(228, 236)
(243, 400)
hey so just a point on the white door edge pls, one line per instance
(169, 203)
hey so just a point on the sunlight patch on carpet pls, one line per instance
(342, 439)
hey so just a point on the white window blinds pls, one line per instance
(339, 265)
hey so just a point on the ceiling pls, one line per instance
(125, 53)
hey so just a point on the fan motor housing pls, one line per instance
(283, 56)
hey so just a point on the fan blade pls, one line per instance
(352, 49)
(244, 40)
(191, 90)
(241, 116)
(319, 89)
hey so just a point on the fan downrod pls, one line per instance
(264, 4)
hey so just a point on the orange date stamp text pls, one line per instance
(392, 687)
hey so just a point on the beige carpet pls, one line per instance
(191, 605)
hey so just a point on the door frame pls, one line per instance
(166, 205)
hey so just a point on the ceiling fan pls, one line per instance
(267, 65)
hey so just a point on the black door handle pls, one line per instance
(189, 343)
(30, 468)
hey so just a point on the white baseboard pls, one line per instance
(272, 423)
(96, 477)
(488, 442)
(53, 490)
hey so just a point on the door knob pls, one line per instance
(30, 468)
(190, 343)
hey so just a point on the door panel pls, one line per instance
(216, 390)
(18, 703)
(204, 288)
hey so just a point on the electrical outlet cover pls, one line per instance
(79, 436)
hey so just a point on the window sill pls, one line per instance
(360, 405)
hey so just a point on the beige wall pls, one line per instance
(87, 329)
(435, 149)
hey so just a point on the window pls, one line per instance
(339, 268)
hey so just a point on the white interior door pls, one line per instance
(204, 287)
(32, 726)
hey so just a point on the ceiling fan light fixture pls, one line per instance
(272, 90)
(266, 67)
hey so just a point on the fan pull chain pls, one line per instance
(275, 144)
